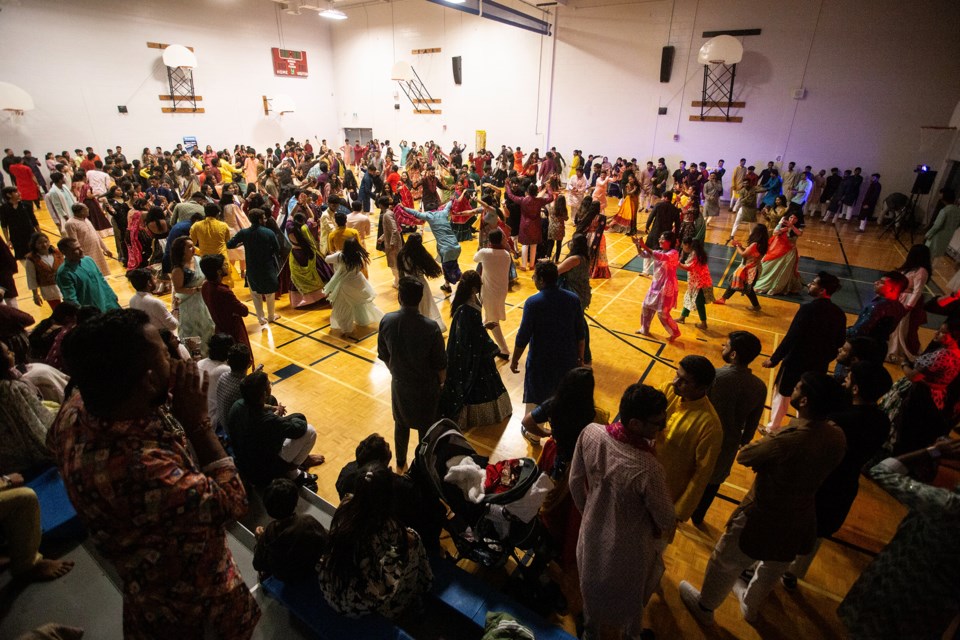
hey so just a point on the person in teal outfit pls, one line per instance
(80, 280)
(448, 247)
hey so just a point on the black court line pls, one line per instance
(839, 541)
(656, 357)
(329, 355)
(846, 262)
(324, 342)
(299, 336)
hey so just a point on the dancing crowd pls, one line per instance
(159, 422)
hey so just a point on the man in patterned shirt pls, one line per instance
(155, 505)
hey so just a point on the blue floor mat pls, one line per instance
(856, 282)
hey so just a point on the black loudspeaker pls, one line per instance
(923, 183)
(457, 70)
(666, 63)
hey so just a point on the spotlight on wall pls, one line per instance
(922, 168)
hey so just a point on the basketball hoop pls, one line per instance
(14, 99)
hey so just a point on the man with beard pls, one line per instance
(139, 427)
(777, 519)
(738, 397)
(866, 427)
(810, 344)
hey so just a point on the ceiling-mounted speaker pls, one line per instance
(666, 63)
(457, 70)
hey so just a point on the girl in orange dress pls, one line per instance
(746, 274)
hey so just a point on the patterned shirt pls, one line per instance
(159, 519)
(390, 579)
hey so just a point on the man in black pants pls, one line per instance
(811, 343)
(412, 347)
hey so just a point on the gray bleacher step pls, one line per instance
(309, 504)
(86, 598)
(241, 542)
(276, 621)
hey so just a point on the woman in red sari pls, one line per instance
(83, 194)
(592, 225)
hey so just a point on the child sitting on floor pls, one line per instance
(290, 546)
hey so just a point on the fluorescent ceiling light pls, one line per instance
(456, 1)
(333, 14)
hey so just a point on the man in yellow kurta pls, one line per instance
(341, 234)
(210, 236)
(689, 446)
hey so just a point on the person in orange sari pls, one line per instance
(593, 224)
(778, 270)
(626, 219)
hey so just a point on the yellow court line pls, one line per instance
(617, 258)
(772, 376)
(748, 327)
(308, 367)
(727, 270)
(614, 298)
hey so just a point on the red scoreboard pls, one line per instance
(289, 63)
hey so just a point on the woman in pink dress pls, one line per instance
(662, 295)
(600, 190)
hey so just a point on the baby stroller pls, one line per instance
(484, 529)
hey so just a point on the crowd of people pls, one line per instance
(159, 423)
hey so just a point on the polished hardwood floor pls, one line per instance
(345, 392)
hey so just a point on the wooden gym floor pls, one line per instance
(345, 393)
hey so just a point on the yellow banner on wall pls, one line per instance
(481, 141)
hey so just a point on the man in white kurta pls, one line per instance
(59, 200)
(495, 275)
(620, 488)
(576, 189)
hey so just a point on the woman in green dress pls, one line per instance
(304, 270)
(195, 320)
(473, 393)
(779, 273)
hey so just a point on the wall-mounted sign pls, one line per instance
(289, 63)
(189, 143)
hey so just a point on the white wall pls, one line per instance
(874, 74)
(500, 74)
(79, 59)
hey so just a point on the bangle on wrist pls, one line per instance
(934, 452)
